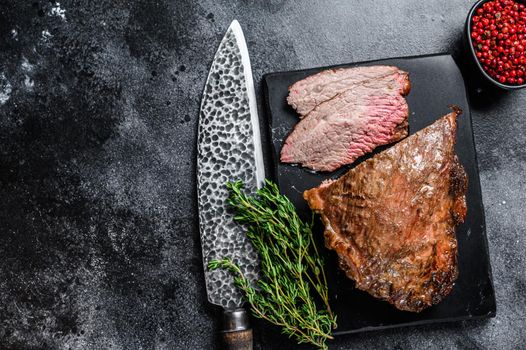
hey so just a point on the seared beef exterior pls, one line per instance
(306, 94)
(351, 124)
(392, 218)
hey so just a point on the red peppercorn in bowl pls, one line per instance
(496, 33)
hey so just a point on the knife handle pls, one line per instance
(236, 332)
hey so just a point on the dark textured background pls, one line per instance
(99, 102)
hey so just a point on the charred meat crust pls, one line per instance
(457, 190)
(392, 222)
(406, 85)
(401, 131)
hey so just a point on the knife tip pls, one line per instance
(235, 25)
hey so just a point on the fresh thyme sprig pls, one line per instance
(292, 276)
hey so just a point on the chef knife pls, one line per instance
(229, 149)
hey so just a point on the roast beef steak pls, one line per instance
(392, 218)
(369, 113)
(306, 94)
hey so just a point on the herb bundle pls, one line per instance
(292, 292)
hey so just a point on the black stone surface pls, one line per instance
(436, 83)
(98, 111)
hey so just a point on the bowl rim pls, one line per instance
(474, 56)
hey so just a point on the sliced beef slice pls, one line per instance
(308, 93)
(348, 126)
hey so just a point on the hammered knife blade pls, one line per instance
(229, 149)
